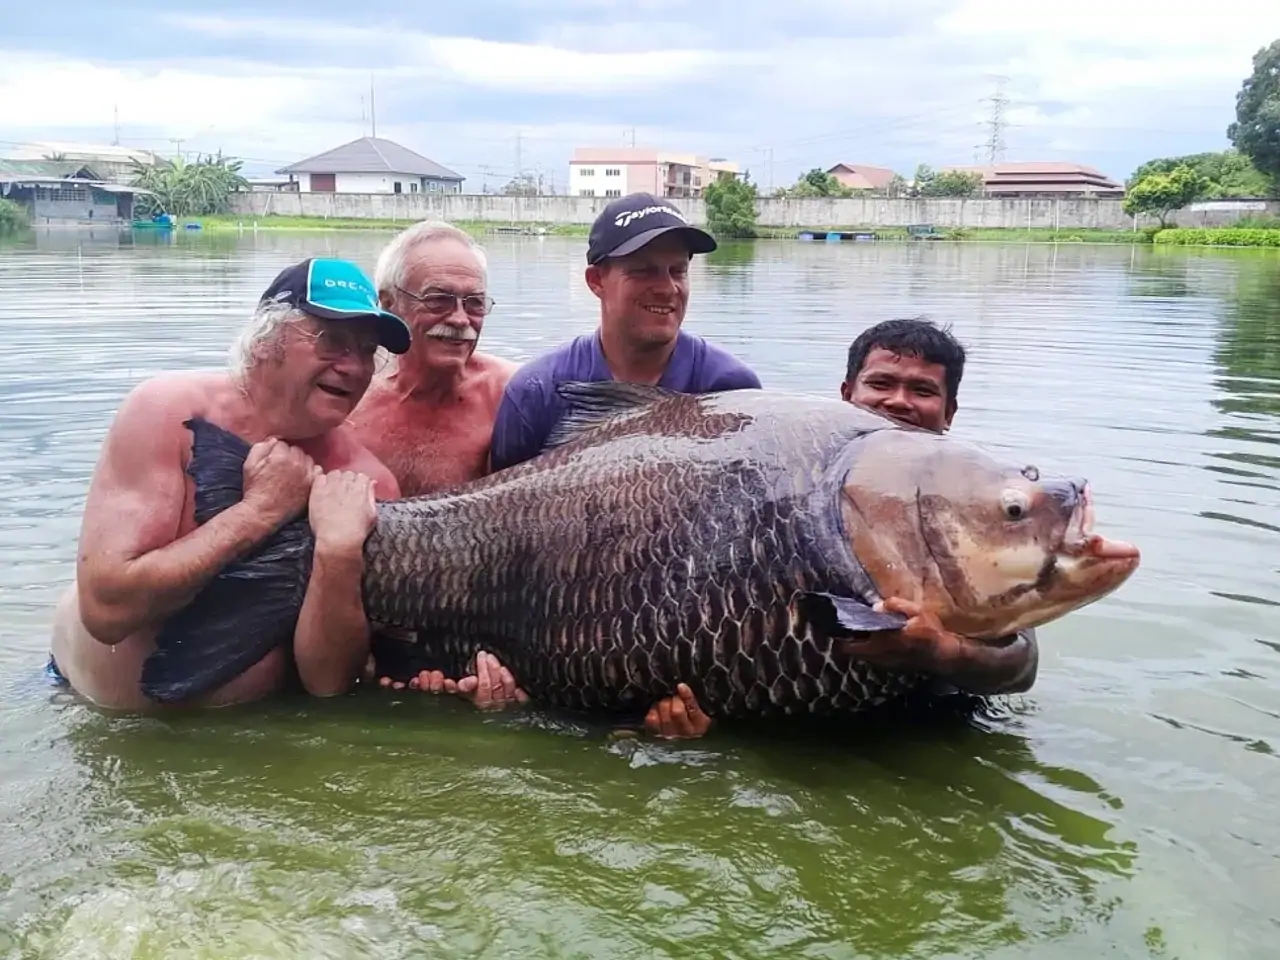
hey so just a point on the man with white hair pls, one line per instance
(298, 370)
(429, 415)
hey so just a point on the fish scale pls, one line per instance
(602, 579)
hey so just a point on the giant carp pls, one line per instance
(738, 542)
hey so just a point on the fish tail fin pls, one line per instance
(250, 607)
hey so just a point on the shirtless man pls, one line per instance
(298, 369)
(429, 415)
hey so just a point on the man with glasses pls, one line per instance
(429, 415)
(299, 368)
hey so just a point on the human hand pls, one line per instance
(277, 480)
(678, 717)
(491, 687)
(342, 510)
(921, 644)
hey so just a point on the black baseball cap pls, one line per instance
(630, 222)
(333, 289)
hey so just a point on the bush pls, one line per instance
(731, 208)
(1221, 237)
(13, 216)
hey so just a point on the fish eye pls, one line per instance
(1031, 473)
(1015, 504)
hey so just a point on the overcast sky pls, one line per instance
(808, 83)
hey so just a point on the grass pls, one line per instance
(1222, 236)
(1005, 235)
(977, 234)
(272, 222)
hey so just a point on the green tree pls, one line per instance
(816, 183)
(183, 189)
(1256, 132)
(731, 207)
(1229, 172)
(13, 217)
(952, 183)
(1162, 193)
(525, 185)
(922, 182)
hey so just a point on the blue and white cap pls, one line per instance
(333, 289)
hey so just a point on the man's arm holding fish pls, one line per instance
(982, 667)
(331, 640)
(134, 569)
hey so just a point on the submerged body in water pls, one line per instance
(736, 542)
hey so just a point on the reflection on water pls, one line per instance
(1121, 807)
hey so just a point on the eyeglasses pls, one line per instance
(334, 342)
(440, 304)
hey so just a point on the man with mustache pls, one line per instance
(299, 367)
(429, 414)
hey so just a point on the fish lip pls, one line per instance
(1080, 539)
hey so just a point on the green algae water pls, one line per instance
(1124, 807)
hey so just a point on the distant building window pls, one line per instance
(61, 194)
(395, 187)
(586, 192)
(612, 172)
(413, 188)
(613, 193)
(586, 171)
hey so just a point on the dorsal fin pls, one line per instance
(592, 403)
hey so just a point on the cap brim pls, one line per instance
(698, 241)
(393, 333)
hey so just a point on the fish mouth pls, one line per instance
(1082, 541)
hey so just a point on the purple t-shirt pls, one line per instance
(531, 407)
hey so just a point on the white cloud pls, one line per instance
(1155, 26)
(41, 92)
(516, 67)
(808, 83)
(524, 67)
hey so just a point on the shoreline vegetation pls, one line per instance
(1242, 235)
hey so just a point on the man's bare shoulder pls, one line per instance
(492, 370)
(166, 399)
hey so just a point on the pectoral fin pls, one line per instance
(847, 617)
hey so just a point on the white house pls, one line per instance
(372, 165)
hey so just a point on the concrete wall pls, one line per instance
(862, 212)
(378, 183)
(413, 207)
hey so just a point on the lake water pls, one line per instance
(1125, 807)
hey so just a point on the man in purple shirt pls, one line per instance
(638, 259)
